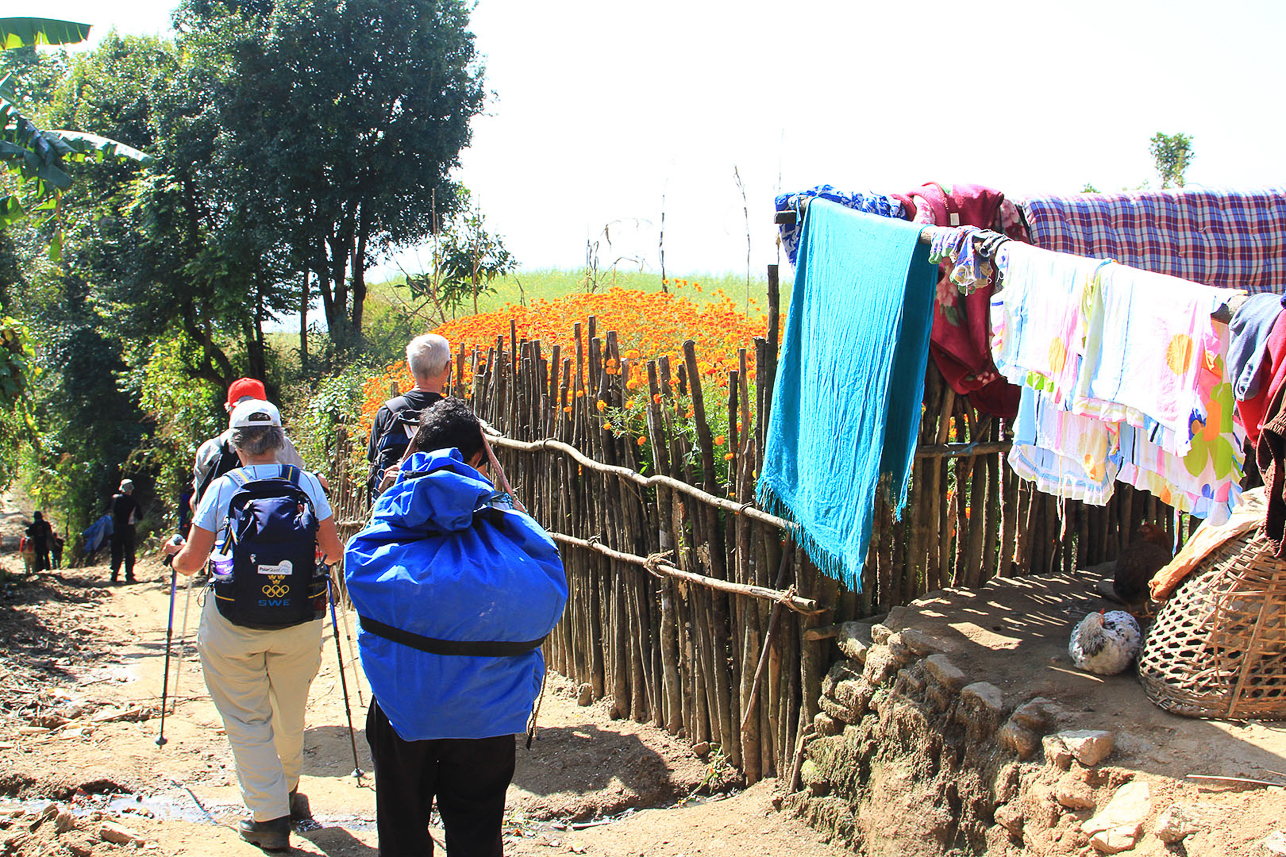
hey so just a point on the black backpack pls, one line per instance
(390, 446)
(267, 575)
(225, 463)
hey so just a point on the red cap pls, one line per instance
(243, 388)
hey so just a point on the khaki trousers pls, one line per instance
(259, 682)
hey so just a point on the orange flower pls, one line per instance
(719, 440)
(642, 440)
(657, 398)
(607, 426)
(690, 414)
(728, 456)
(580, 394)
(602, 406)
(567, 409)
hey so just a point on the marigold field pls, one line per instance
(648, 325)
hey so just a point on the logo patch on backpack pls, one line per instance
(271, 533)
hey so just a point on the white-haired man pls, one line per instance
(429, 359)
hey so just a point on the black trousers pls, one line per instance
(123, 548)
(468, 776)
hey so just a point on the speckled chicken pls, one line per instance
(1136, 565)
(1104, 643)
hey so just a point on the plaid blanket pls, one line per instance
(1226, 239)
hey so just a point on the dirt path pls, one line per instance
(80, 671)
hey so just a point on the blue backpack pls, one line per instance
(267, 574)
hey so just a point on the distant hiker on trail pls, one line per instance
(125, 513)
(216, 456)
(261, 631)
(428, 357)
(41, 537)
(455, 591)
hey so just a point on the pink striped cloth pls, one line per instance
(1221, 238)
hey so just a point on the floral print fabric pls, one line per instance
(1124, 379)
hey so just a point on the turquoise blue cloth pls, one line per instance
(846, 405)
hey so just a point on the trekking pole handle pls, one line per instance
(176, 540)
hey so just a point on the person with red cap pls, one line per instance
(216, 456)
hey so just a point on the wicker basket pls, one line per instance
(1218, 647)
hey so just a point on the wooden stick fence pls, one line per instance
(689, 607)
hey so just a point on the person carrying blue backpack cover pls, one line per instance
(455, 590)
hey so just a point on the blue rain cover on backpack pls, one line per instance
(440, 561)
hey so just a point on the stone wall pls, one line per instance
(911, 757)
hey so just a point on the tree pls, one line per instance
(466, 259)
(1172, 153)
(346, 120)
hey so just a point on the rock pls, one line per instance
(1123, 814)
(1087, 746)
(64, 821)
(854, 640)
(854, 695)
(1175, 823)
(900, 650)
(1116, 840)
(1273, 845)
(1056, 752)
(909, 682)
(920, 643)
(1021, 742)
(111, 832)
(811, 776)
(840, 671)
(983, 697)
(1073, 794)
(880, 664)
(826, 725)
(880, 634)
(585, 695)
(944, 672)
(1010, 818)
(1033, 715)
(701, 748)
(834, 710)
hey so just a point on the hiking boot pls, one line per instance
(273, 835)
(299, 808)
(129, 578)
(114, 578)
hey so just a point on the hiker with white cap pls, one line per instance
(261, 631)
(125, 513)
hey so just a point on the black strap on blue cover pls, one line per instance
(433, 646)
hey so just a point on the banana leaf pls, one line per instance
(20, 32)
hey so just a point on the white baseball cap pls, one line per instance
(255, 413)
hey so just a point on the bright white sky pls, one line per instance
(602, 109)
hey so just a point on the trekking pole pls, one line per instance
(352, 654)
(343, 683)
(183, 639)
(169, 635)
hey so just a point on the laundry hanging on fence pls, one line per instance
(1248, 332)
(884, 205)
(961, 324)
(1217, 238)
(847, 401)
(1123, 374)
